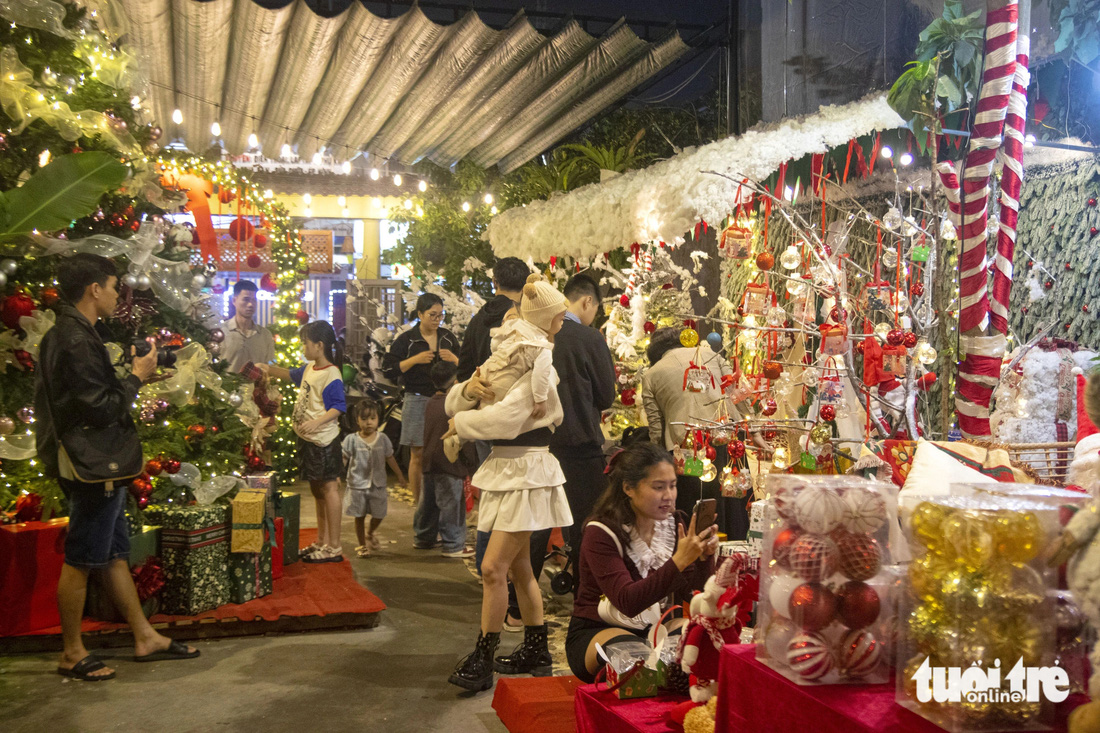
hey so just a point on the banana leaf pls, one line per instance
(68, 188)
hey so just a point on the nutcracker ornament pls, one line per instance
(718, 614)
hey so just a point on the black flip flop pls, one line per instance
(83, 669)
(175, 650)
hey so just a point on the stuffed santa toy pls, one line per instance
(718, 614)
(1085, 469)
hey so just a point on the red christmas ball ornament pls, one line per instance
(917, 290)
(1093, 231)
(813, 557)
(910, 339)
(1085, 308)
(666, 286)
(812, 606)
(154, 466)
(256, 463)
(628, 397)
(172, 466)
(118, 220)
(827, 413)
(649, 327)
(268, 283)
(838, 314)
(196, 431)
(253, 261)
(135, 224)
(25, 359)
(226, 196)
(1092, 201)
(770, 407)
(1068, 267)
(302, 316)
(624, 300)
(710, 453)
(16, 306)
(781, 546)
(737, 450)
(49, 296)
(142, 502)
(857, 604)
(895, 337)
(259, 241)
(859, 555)
(1048, 284)
(770, 434)
(765, 261)
(772, 369)
(241, 228)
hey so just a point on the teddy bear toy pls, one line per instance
(718, 614)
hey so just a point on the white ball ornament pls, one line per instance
(779, 593)
(130, 280)
(198, 282)
(859, 653)
(864, 510)
(235, 400)
(818, 509)
(8, 267)
(809, 656)
(778, 637)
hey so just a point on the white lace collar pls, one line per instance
(652, 556)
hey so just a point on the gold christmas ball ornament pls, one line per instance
(1019, 536)
(689, 338)
(966, 535)
(820, 434)
(926, 524)
(925, 576)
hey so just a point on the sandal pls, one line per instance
(175, 650)
(362, 551)
(83, 669)
(374, 542)
(324, 554)
(309, 550)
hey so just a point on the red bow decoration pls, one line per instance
(28, 508)
(148, 578)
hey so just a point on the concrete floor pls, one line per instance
(392, 678)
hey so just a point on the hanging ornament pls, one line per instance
(235, 400)
(241, 228)
(909, 227)
(8, 267)
(834, 339)
(14, 307)
(895, 337)
(909, 340)
(772, 369)
(765, 261)
(154, 467)
(624, 300)
(735, 242)
(689, 338)
(781, 459)
(7, 425)
(628, 397)
(770, 407)
(947, 230)
(26, 415)
(649, 327)
(757, 298)
(790, 259)
(302, 317)
(924, 353)
(143, 282)
(1092, 201)
(710, 472)
(795, 288)
(715, 341)
(881, 330)
(720, 437)
(820, 434)
(736, 450)
(917, 290)
(892, 219)
(890, 258)
(775, 317)
(827, 413)
(268, 283)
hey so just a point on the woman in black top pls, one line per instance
(409, 361)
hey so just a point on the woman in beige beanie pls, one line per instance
(521, 482)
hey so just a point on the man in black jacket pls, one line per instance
(586, 389)
(76, 389)
(509, 277)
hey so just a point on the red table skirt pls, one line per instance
(602, 712)
(755, 697)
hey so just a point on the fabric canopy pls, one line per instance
(664, 201)
(331, 74)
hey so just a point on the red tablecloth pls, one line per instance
(755, 698)
(602, 712)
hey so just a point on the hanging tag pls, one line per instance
(920, 253)
(697, 379)
(693, 467)
(736, 242)
(808, 462)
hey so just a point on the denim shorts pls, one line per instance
(99, 531)
(412, 420)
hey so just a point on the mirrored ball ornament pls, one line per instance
(235, 400)
(198, 282)
(143, 282)
(8, 266)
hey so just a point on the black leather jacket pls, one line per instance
(75, 375)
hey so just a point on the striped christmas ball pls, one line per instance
(864, 510)
(859, 653)
(818, 509)
(809, 656)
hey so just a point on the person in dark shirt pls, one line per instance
(586, 389)
(409, 362)
(509, 277)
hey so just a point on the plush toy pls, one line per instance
(1080, 542)
(1084, 471)
(717, 615)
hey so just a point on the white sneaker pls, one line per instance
(463, 553)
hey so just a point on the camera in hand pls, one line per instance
(165, 357)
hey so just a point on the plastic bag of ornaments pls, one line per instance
(828, 586)
(979, 608)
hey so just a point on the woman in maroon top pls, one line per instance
(636, 557)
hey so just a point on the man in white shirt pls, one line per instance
(245, 341)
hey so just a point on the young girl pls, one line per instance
(320, 404)
(521, 492)
(366, 454)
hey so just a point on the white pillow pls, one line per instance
(933, 471)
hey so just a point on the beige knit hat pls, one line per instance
(541, 302)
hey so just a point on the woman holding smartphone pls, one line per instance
(638, 556)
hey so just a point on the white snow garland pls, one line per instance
(667, 199)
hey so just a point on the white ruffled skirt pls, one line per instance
(521, 491)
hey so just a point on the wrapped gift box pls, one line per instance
(277, 555)
(195, 550)
(289, 508)
(644, 682)
(144, 543)
(249, 575)
(267, 481)
(31, 556)
(249, 517)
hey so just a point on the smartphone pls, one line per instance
(706, 511)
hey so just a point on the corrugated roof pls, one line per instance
(330, 73)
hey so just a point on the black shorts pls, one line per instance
(319, 462)
(580, 635)
(99, 531)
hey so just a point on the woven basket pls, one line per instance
(1049, 461)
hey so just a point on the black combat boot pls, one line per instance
(475, 671)
(530, 657)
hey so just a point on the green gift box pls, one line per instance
(194, 547)
(249, 575)
(645, 682)
(144, 543)
(289, 507)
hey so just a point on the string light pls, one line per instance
(488, 198)
(887, 152)
(423, 186)
(286, 151)
(397, 179)
(906, 159)
(346, 167)
(216, 129)
(376, 202)
(342, 201)
(374, 174)
(307, 199)
(177, 117)
(318, 158)
(408, 203)
(465, 205)
(253, 141)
